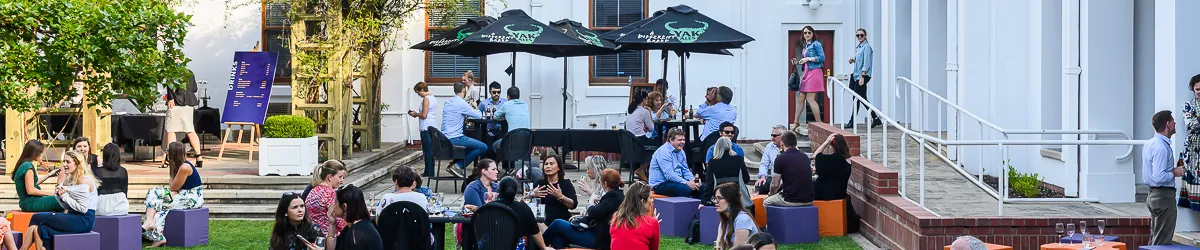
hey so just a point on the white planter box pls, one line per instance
(287, 156)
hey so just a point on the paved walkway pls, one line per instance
(948, 193)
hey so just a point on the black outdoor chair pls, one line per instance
(442, 149)
(696, 158)
(404, 225)
(517, 145)
(634, 153)
(495, 226)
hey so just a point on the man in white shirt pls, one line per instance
(405, 180)
(767, 164)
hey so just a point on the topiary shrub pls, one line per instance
(288, 126)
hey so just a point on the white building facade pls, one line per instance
(1021, 65)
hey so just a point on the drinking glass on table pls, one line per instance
(1100, 227)
(1058, 228)
(1070, 230)
(1083, 230)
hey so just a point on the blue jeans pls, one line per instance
(560, 233)
(475, 148)
(427, 151)
(674, 189)
(496, 145)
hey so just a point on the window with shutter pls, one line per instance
(275, 35)
(442, 68)
(608, 15)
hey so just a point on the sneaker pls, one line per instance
(455, 171)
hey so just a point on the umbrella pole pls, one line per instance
(664, 58)
(564, 93)
(683, 84)
(513, 83)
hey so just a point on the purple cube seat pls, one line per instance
(1168, 247)
(792, 225)
(81, 241)
(709, 222)
(119, 232)
(676, 213)
(17, 237)
(186, 228)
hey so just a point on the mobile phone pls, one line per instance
(303, 240)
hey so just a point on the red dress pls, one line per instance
(644, 237)
(317, 206)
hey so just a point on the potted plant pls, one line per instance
(288, 146)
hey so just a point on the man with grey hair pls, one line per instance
(767, 163)
(968, 242)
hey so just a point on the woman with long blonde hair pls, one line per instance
(633, 227)
(76, 191)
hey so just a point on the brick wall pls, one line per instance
(892, 222)
(819, 132)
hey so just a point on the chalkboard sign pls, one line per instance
(249, 87)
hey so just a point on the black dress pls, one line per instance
(833, 173)
(555, 209)
(361, 235)
(600, 216)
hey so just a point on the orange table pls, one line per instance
(1106, 246)
(989, 247)
(19, 220)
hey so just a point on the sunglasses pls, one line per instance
(495, 92)
(806, 32)
(727, 131)
(775, 135)
(859, 35)
(288, 193)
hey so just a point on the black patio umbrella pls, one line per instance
(516, 32)
(681, 29)
(617, 33)
(577, 31)
(445, 41)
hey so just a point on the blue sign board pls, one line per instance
(249, 87)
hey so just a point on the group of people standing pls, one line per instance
(88, 186)
(808, 65)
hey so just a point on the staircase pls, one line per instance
(245, 196)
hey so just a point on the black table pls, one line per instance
(690, 127)
(439, 227)
(478, 130)
(131, 127)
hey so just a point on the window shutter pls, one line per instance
(441, 17)
(277, 41)
(277, 14)
(442, 65)
(623, 65)
(616, 13)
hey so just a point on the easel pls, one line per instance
(254, 133)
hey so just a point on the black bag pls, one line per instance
(693, 231)
(794, 81)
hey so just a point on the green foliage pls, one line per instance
(1028, 184)
(288, 126)
(112, 47)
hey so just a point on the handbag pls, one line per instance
(794, 78)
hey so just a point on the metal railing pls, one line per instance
(990, 135)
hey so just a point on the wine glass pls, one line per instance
(1058, 228)
(1084, 239)
(1070, 230)
(1100, 227)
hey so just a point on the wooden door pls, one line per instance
(826, 39)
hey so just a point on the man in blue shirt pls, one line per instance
(716, 111)
(727, 131)
(767, 164)
(1159, 173)
(514, 111)
(455, 112)
(669, 172)
(861, 75)
(493, 102)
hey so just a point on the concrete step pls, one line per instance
(1187, 238)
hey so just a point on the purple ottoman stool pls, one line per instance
(792, 225)
(186, 228)
(17, 237)
(83, 241)
(676, 213)
(119, 232)
(1168, 247)
(709, 222)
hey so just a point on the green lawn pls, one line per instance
(241, 234)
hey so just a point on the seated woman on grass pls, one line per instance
(292, 229)
(184, 191)
(30, 196)
(77, 192)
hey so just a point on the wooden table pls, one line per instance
(1076, 246)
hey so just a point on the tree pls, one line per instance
(109, 47)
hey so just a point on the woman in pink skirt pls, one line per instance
(811, 58)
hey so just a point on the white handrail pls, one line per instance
(1002, 197)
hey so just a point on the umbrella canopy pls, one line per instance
(577, 31)
(515, 31)
(445, 42)
(681, 29)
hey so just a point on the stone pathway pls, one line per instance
(948, 193)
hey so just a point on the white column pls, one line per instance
(1070, 83)
(953, 37)
(887, 35)
(1106, 96)
(920, 62)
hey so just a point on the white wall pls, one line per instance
(1143, 77)
(1106, 95)
(756, 73)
